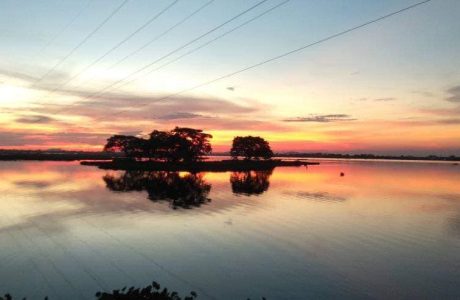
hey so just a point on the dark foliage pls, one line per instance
(130, 145)
(194, 143)
(179, 144)
(150, 292)
(250, 147)
(187, 191)
(250, 182)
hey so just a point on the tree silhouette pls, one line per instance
(250, 182)
(192, 143)
(150, 292)
(181, 191)
(250, 147)
(131, 146)
(161, 146)
(179, 144)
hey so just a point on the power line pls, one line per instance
(207, 43)
(82, 42)
(217, 38)
(161, 34)
(177, 49)
(330, 37)
(67, 26)
(119, 44)
(157, 37)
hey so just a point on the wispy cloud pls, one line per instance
(386, 99)
(424, 93)
(441, 112)
(382, 99)
(181, 116)
(22, 138)
(121, 105)
(17, 75)
(454, 94)
(35, 119)
(322, 118)
(451, 121)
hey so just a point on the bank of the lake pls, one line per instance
(199, 166)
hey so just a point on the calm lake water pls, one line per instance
(384, 230)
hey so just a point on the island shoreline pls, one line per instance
(198, 166)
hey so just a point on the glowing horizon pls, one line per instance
(391, 88)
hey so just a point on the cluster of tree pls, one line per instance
(179, 144)
(250, 147)
(181, 191)
(184, 144)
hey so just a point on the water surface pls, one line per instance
(384, 230)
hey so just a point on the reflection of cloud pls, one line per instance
(322, 118)
(454, 94)
(450, 203)
(317, 196)
(49, 223)
(451, 197)
(454, 225)
(33, 184)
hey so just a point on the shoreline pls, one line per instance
(81, 156)
(200, 166)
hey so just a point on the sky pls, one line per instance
(73, 73)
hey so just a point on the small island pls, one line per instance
(186, 149)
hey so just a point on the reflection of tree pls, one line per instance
(185, 191)
(129, 181)
(250, 182)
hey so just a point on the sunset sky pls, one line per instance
(392, 87)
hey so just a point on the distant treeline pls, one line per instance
(55, 155)
(152, 291)
(6, 154)
(370, 156)
(357, 156)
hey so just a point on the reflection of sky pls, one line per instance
(391, 87)
(384, 229)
